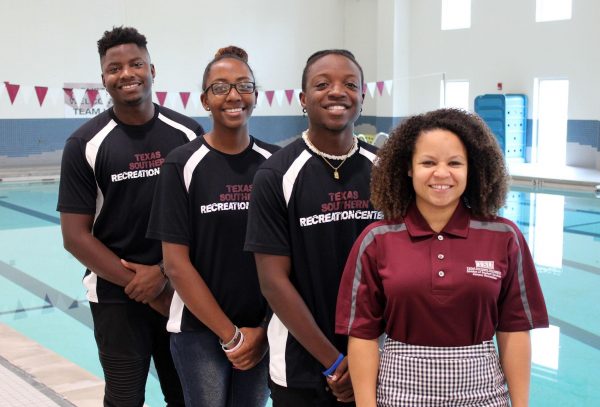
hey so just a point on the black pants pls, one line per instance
(294, 397)
(128, 335)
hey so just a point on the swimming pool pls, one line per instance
(41, 294)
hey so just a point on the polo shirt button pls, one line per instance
(441, 256)
(441, 273)
(440, 237)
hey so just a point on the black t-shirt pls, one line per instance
(201, 201)
(109, 169)
(299, 210)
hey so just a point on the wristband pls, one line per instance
(237, 346)
(236, 334)
(335, 365)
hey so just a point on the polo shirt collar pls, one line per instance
(417, 226)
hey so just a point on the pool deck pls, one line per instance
(549, 177)
(33, 376)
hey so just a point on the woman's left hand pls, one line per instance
(252, 350)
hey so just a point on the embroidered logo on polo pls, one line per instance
(484, 268)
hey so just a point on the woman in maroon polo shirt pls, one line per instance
(441, 275)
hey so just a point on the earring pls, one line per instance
(207, 109)
(303, 112)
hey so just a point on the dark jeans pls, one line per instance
(209, 379)
(128, 335)
(293, 397)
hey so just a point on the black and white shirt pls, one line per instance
(109, 170)
(299, 210)
(201, 201)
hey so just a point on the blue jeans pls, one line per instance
(208, 378)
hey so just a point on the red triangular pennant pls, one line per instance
(12, 90)
(185, 96)
(69, 93)
(92, 94)
(269, 94)
(161, 96)
(380, 87)
(289, 94)
(41, 91)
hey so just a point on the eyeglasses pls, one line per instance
(222, 88)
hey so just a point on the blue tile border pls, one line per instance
(29, 137)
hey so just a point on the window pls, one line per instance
(456, 14)
(454, 94)
(550, 114)
(552, 10)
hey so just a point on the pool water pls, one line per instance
(42, 297)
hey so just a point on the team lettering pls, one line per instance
(224, 206)
(134, 174)
(337, 216)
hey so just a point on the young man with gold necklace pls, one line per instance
(309, 202)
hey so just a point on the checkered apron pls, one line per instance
(417, 376)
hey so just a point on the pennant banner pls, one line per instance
(68, 94)
(195, 99)
(88, 99)
(92, 94)
(79, 95)
(388, 86)
(12, 91)
(185, 96)
(279, 96)
(289, 94)
(41, 92)
(371, 88)
(269, 94)
(26, 93)
(161, 96)
(380, 87)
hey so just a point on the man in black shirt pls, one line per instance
(108, 173)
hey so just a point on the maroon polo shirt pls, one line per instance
(454, 288)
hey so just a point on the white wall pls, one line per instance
(505, 44)
(50, 42)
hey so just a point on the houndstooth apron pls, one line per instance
(416, 376)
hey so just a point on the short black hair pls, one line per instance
(320, 54)
(120, 35)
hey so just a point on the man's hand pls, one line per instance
(147, 283)
(340, 383)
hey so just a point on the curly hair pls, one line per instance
(118, 36)
(320, 54)
(487, 177)
(226, 52)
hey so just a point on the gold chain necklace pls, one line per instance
(326, 156)
(336, 174)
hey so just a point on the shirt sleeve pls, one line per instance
(169, 217)
(77, 188)
(267, 229)
(361, 302)
(521, 305)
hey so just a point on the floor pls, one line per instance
(31, 375)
